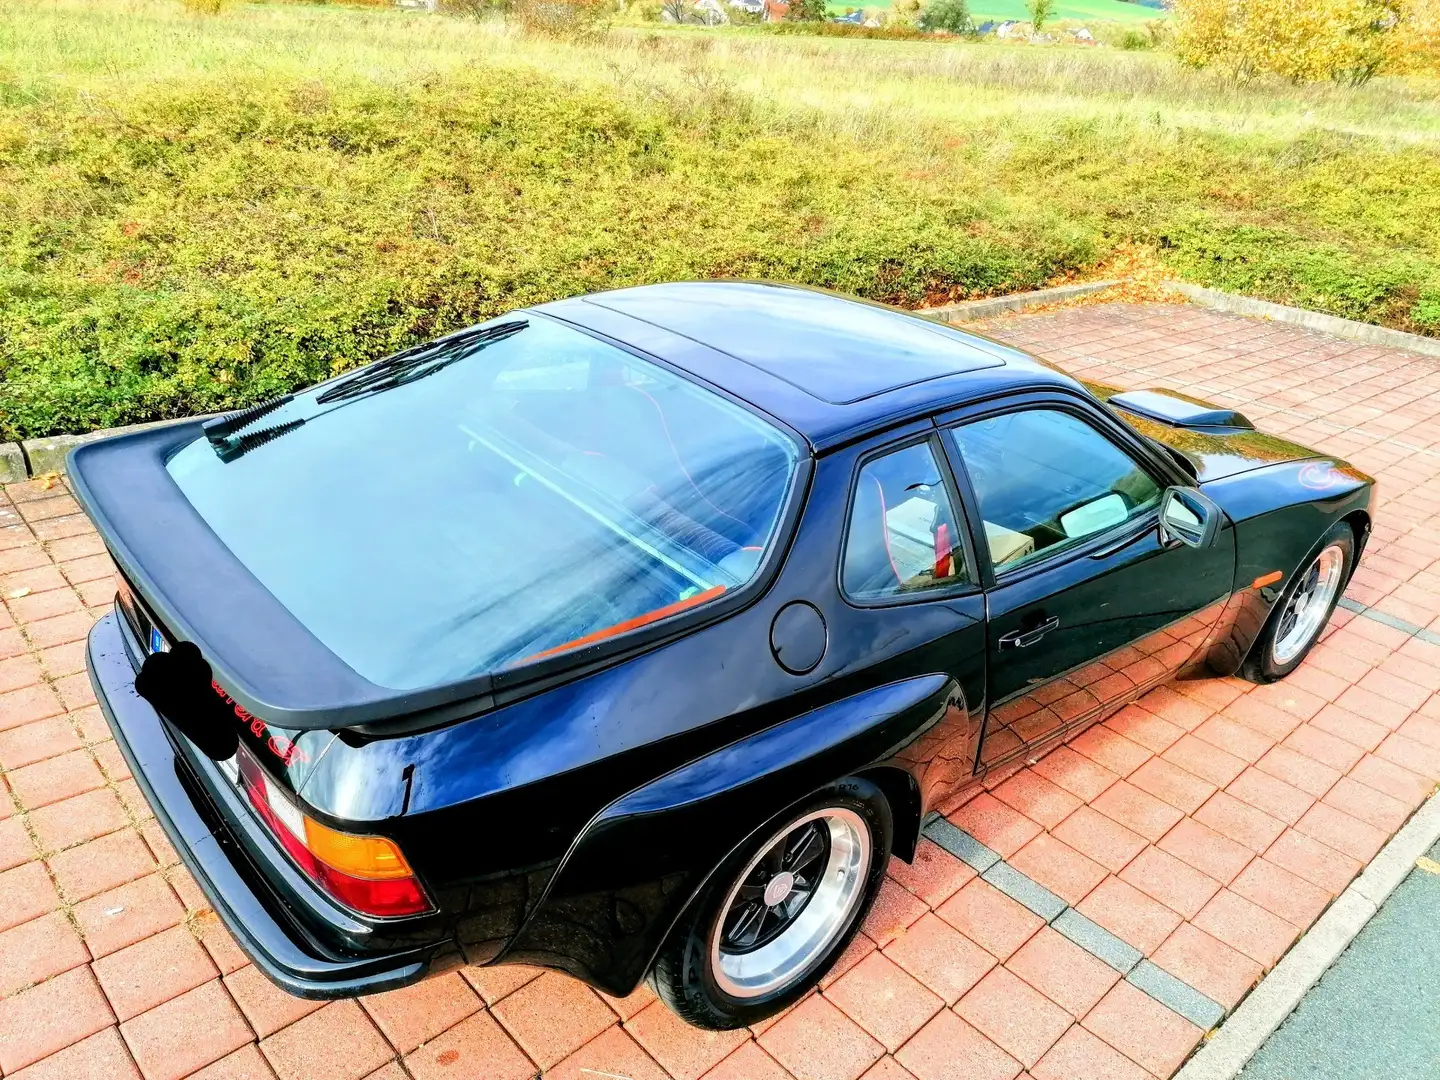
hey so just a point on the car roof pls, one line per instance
(832, 368)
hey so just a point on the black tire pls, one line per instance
(684, 975)
(1263, 665)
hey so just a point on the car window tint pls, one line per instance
(1046, 480)
(542, 493)
(902, 536)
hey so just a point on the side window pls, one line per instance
(902, 536)
(1046, 480)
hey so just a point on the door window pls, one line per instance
(1046, 481)
(902, 537)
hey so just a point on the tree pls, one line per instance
(1040, 13)
(807, 11)
(951, 15)
(1348, 41)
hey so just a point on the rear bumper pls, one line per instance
(231, 882)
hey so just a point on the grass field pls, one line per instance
(1077, 10)
(198, 212)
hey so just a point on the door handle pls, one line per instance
(1018, 639)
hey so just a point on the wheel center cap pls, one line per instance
(779, 887)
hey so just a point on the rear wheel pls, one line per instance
(780, 910)
(1303, 610)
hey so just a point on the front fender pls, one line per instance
(640, 862)
(1280, 513)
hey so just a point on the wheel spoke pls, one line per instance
(746, 926)
(806, 850)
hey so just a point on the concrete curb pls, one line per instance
(47, 455)
(969, 310)
(1238, 1039)
(1367, 333)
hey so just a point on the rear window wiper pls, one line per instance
(230, 439)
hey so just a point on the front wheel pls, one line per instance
(780, 910)
(1303, 610)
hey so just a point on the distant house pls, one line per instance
(750, 7)
(775, 10)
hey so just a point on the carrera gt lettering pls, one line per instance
(279, 745)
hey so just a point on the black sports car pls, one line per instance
(632, 634)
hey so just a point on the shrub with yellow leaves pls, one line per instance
(1348, 41)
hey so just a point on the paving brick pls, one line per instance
(1343, 724)
(38, 950)
(816, 1041)
(1270, 795)
(153, 971)
(1039, 799)
(494, 983)
(990, 918)
(860, 947)
(1412, 755)
(1247, 927)
(479, 1047)
(1344, 833)
(632, 1003)
(1235, 738)
(55, 779)
(1324, 747)
(1365, 803)
(1129, 914)
(248, 1063)
(934, 876)
(28, 703)
(887, 1068)
(1276, 709)
(51, 1016)
(1239, 821)
(417, 1013)
(1206, 850)
(1175, 884)
(894, 909)
(1205, 760)
(552, 1017)
(1282, 893)
(78, 819)
(612, 1053)
(18, 672)
(749, 1062)
(1209, 965)
(186, 1033)
(1172, 784)
(131, 913)
(1111, 750)
(687, 1052)
(1141, 813)
(995, 825)
(265, 1005)
(1058, 867)
(106, 863)
(25, 893)
(1061, 970)
(102, 1056)
(1079, 1055)
(879, 996)
(1142, 1029)
(943, 959)
(1075, 773)
(337, 1042)
(16, 848)
(948, 1048)
(1145, 728)
(1015, 1015)
(1100, 838)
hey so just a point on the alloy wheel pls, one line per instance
(790, 903)
(1308, 607)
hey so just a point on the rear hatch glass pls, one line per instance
(507, 495)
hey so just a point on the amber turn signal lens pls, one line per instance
(372, 857)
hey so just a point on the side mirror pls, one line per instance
(1188, 517)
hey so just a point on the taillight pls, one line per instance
(367, 873)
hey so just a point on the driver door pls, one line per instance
(1087, 606)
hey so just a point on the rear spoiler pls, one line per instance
(1178, 410)
(259, 654)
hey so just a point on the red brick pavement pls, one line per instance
(1207, 825)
